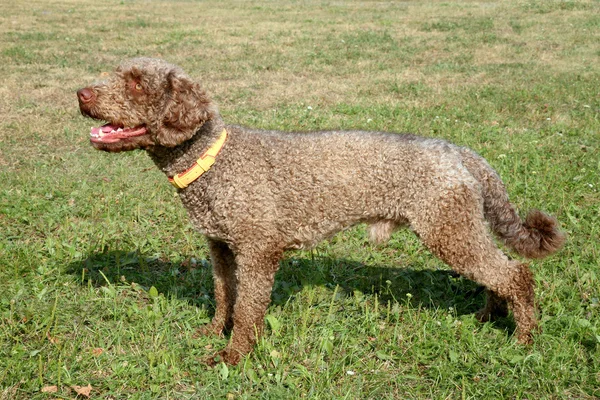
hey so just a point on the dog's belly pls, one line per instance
(307, 237)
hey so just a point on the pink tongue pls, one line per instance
(105, 129)
(108, 128)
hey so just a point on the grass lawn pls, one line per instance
(103, 282)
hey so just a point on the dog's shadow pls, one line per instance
(191, 280)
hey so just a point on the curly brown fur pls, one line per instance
(269, 192)
(538, 237)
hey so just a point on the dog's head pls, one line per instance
(146, 103)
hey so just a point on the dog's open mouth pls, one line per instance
(110, 133)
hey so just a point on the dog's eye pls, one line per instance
(135, 87)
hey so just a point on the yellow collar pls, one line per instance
(201, 165)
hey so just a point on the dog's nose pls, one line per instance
(85, 95)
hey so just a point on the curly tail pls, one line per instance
(536, 237)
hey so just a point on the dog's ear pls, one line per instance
(186, 109)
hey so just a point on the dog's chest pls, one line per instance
(202, 214)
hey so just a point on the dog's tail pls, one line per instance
(536, 237)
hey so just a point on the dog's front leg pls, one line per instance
(223, 263)
(255, 275)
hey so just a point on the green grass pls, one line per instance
(103, 281)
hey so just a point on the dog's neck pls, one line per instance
(175, 160)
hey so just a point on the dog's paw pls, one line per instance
(483, 315)
(227, 356)
(210, 329)
(525, 338)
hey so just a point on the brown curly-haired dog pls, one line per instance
(256, 194)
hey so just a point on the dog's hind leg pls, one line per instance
(223, 263)
(495, 307)
(452, 226)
